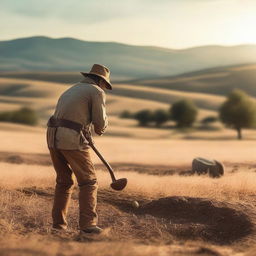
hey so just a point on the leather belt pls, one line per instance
(57, 122)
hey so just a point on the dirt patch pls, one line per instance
(44, 159)
(23, 158)
(193, 218)
(21, 252)
(159, 170)
(187, 218)
(166, 219)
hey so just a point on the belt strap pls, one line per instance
(57, 122)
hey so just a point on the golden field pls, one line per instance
(26, 198)
(179, 214)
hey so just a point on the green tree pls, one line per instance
(6, 116)
(238, 112)
(24, 116)
(160, 116)
(184, 112)
(126, 114)
(209, 119)
(144, 117)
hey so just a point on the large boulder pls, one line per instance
(213, 168)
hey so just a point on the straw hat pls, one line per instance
(101, 71)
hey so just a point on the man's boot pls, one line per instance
(92, 230)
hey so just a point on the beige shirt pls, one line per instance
(83, 103)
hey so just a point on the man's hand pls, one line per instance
(88, 135)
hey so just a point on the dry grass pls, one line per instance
(202, 100)
(165, 151)
(29, 91)
(30, 88)
(17, 138)
(218, 81)
(233, 186)
(42, 96)
(36, 245)
(25, 218)
(35, 212)
(168, 152)
(21, 92)
(117, 104)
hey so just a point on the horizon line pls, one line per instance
(138, 45)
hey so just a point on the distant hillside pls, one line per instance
(220, 80)
(59, 77)
(42, 96)
(125, 61)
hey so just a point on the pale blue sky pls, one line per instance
(168, 23)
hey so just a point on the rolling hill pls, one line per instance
(206, 88)
(220, 81)
(202, 100)
(42, 96)
(125, 61)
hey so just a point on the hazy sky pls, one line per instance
(169, 23)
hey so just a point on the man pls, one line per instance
(78, 107)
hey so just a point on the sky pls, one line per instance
(167, 23)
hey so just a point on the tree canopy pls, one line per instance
(184, 112)
(238, 111)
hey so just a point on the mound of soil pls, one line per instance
(185, 217)
(164, 219)
(199, 218)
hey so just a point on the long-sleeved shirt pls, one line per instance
(83, 103)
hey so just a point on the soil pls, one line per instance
(165, 219)
(160, 170)
(161, 221)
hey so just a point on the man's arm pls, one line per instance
(99, 116)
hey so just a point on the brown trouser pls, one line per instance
(67, 162)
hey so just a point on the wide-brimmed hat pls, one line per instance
(101, 71)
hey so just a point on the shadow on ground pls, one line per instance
(164, 220)
(188, 218)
